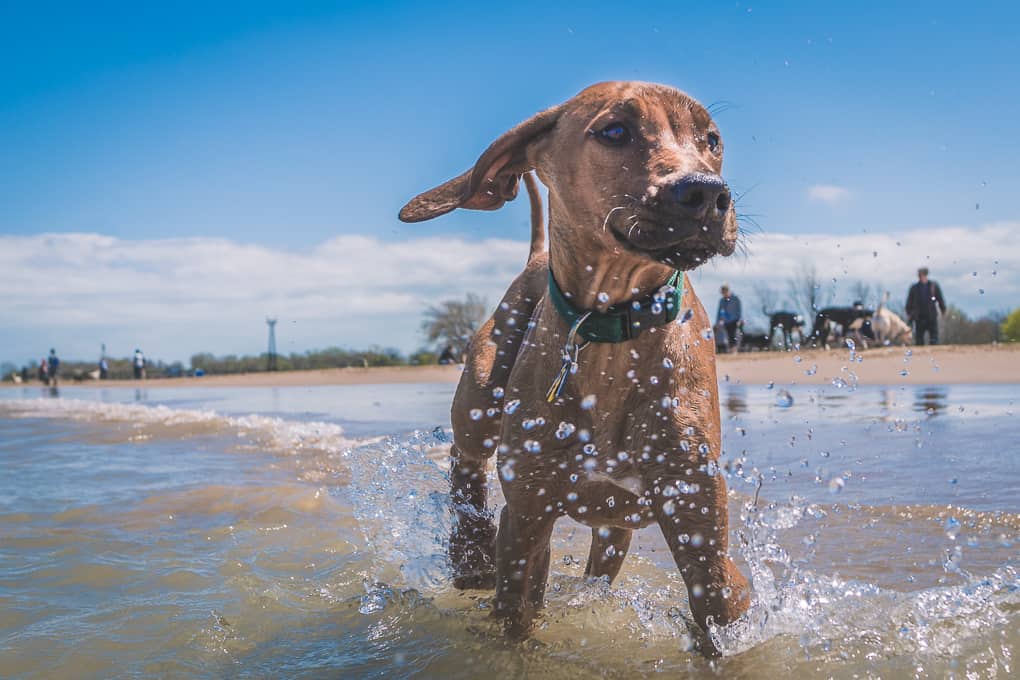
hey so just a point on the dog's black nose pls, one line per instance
(700, 196)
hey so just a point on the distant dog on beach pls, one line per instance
(787, 323)
(889, 328)
(594, 381)
(835, 323)
(755, 342)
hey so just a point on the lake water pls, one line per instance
(298, 532)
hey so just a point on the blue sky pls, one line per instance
(280, 130)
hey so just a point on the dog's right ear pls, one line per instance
(492, 181)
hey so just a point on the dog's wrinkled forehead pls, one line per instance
(654, 108)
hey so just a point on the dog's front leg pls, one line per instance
(691, 511)
(473, 536)
(522, 565)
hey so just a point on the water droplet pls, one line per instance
(588, 403)
(784, 399)
(603, 297)
(572, 496)
(667, 363)
(506, 471)
(565, 429)
(610, 550)
(532, 446)
(476, 414)
(697, 540)
(952, 527)
(497, 392)
(836, 485)
(512, 405)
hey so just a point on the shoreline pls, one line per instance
(939, 365)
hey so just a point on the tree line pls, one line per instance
(452, 322)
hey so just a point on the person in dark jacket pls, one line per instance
(729, 318)
(52, 367)
(924, 306)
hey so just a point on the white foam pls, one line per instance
(276, 433)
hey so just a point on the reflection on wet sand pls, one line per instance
(931, 400)
(735, 400)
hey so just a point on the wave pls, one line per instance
(134, 422)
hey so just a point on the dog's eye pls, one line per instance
(614, 134)
(713, 141)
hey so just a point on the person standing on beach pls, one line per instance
(447, 356)
(52, 367)
(729, 317)
(924, 306)
(139, 364)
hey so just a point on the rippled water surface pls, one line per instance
(298, 532)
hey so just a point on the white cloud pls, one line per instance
(175, 297)
(828, 193)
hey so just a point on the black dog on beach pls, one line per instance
(788, 323)
(835, 322)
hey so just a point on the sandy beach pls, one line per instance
(944, 365)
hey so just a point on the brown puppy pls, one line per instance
(619, 432)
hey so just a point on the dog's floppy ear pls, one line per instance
(492, 181)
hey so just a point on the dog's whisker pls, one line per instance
(605, 222)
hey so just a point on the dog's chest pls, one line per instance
(626, 404)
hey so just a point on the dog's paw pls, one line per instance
(485, 580)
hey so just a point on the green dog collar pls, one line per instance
(624, 321)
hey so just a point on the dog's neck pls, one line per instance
(595, 277)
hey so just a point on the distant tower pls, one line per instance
(271, 355)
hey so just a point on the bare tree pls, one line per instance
(453, 322)
(864, 292)
(805, 290)
(769, 299)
